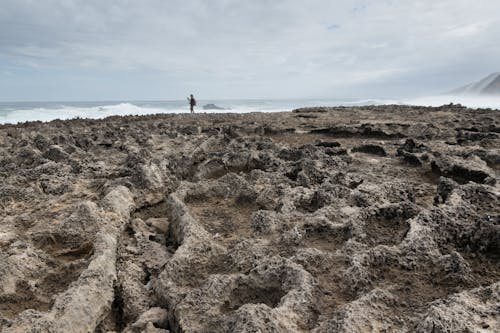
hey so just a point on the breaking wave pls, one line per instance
(492, 102)
(11, 113)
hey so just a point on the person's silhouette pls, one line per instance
(192, 103)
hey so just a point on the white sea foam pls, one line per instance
(470, 101)
(96, 112)
(21, 112)
(69, 112)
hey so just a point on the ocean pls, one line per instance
(16, 112)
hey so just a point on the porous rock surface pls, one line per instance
(365, 219)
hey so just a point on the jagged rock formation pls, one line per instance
(382, 219)
(212, 107)
(490, 85)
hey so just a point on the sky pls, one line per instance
(77, 50)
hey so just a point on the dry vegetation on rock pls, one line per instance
(366, 219)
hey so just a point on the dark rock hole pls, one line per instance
(252, 294)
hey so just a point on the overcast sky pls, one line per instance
(166, 49)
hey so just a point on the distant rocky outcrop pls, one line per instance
(213, 107)
(489, 85)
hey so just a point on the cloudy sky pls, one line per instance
(165, 49)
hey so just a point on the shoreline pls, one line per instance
(229, 113)
(99, 110)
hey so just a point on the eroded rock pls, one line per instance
(381, 219)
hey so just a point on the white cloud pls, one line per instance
(243, 47)
(466, 31)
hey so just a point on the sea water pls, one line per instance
(15, 112)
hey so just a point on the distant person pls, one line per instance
(192, 103)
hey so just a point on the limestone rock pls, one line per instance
(382, 219)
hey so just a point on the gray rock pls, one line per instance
(213, 107)
(262, 222)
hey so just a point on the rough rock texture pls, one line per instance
(367, 219)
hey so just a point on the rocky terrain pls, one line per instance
(366, 219)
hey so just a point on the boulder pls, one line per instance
(213, 107)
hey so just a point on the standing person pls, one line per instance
(192, 103)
